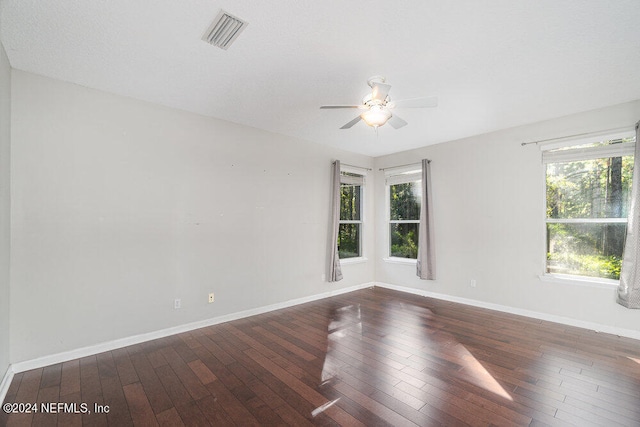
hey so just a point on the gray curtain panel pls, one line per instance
(629, 288)
(335, 271)
(426, 263)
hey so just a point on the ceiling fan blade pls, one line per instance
(329, 107)
(351, 123)
(380, 91)
(396, 122)
(431, 101)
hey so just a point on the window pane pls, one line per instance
(587, 249)
(598, 188)
(405, 200)
(350, 202)
(349, 241)
(404, 240)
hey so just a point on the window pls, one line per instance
(404, 199)
(588, 189)
(350, 228)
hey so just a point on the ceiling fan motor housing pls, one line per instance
(369, 101)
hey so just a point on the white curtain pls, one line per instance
(335, 271)
(426, 262)
(629, 288)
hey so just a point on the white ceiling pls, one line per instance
(493, 64)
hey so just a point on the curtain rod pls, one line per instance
(577, 135)
(401, 166)
(357, 167)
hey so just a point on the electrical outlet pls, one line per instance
(473, 283)
(176, 303)
(211, 298)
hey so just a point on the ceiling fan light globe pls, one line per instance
(376, 116)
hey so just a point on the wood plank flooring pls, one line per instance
(373, 357)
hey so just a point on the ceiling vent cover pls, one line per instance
(225, 30)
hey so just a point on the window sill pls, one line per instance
(593, 282)
(359, 260)
(396, 260)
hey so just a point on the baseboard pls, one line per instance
(6, 382)
(137, 339)
(629, 333)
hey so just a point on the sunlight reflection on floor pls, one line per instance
(344, 318)
(481, 377)
(634, 359)
(349, 319)
(324, 407)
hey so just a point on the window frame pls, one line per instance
(399, 175)
(572, 155)
(361, 222)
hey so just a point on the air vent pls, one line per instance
(225, 30)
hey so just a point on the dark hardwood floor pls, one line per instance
(371, 357)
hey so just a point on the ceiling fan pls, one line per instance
(378, 106)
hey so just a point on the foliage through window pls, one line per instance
(588, 190)
(350, 228)
(404, 214)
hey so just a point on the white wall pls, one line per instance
(489, 212)
(5, 206)
(120, 206)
